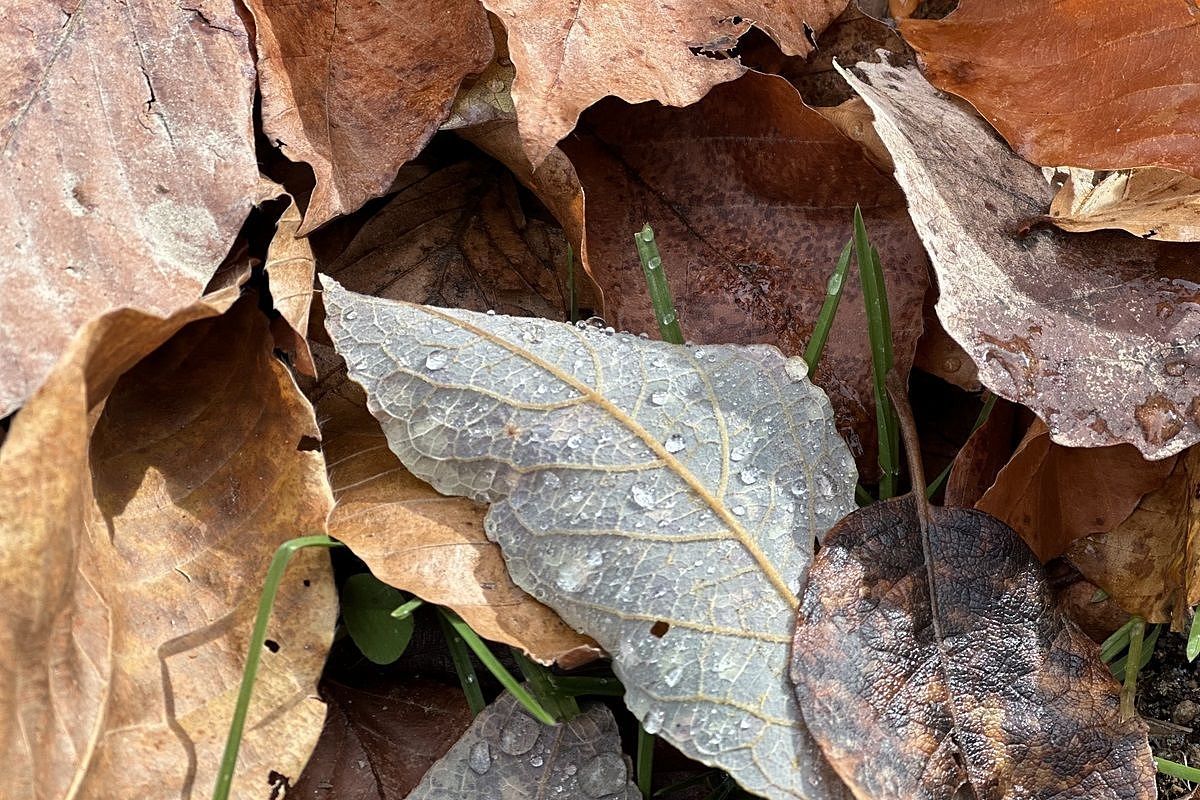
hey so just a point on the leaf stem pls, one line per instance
(645, 761)
(1132, 667)
(833, 296)
(258, 637)
(1177, 770)
(660, 290)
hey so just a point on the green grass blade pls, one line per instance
(656, 281)
(1193, 643)
(579, 686)
(645, 762)
(537, 678)
(833, 296)
(460, 654)
(1116, 642)
(406, 610)
(258, 637)
(1176, 770)
(1132, 668)
(984, 413)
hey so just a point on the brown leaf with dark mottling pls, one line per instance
(957, 671)
(1097, 85)
(355, 88)
(751, 195)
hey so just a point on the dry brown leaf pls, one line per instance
(982, 456)
(1096, 333)
(126, 139)
(941, 356)
(1152, 203)
(1150, 564)
(570, 54)
(1053, 495)
(751, 195)
(133, 552)
(355, 88)
(291, 271)
(1097, 85)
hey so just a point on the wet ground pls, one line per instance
(1169, 699)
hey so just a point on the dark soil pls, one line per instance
(1169, 699)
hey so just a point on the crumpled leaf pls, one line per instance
(1097, 85)
(956, 671)
(751, 195)
(570, 54)
(126, 142)
(1096, 334)
(1150, 563)
(1052, 495)
(381, 738)
(291, 270)
(662, 499)
(506, 753)
(133, 553)
(1151, 203)
(355, 88)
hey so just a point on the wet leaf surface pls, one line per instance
(1095, 333)
(508, 754)
(661, 499)
(955, 667)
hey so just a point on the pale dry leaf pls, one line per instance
(133, 554)
(291, 271)
(506, 753)
(127, 145)
(1151, 203)
(662, 499)
(1096, 333)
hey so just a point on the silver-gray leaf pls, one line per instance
(662, 499)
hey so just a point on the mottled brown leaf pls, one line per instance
(1096, 333)
(1097, 85)
(751, 194)
(1151, 203)
(355, 88)
(134, 549)
(570, 54)
(955, 671)
(127, 150)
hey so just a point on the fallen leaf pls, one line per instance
(1096, 333)
(381, 738)
(291, 270)
(1151, 203)
(506, 753)
(1150, 563)
(126, 140)
(1093, 85)
(955, 667)
(569, 54)
(982, 456)
(661, 499)
(1053, 495)
(134, 552)
(367, 612)
(939, 355)
(751, 195)
(355, 88)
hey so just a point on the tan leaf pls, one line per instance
(751, 195)
(133, 553)
(355, 88)
(1053, 495)
(126, 139)
(570, 54)
(1152, 203)
(1095, 333)
(1150, 563)
(291, 270)
(1097, 85)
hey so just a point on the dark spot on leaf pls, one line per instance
(271, 645)
(307, 582)
(659, 629)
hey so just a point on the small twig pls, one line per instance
(898, 392)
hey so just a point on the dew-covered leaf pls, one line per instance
(661, 499)
(508, 754)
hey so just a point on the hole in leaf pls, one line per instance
(659, 629)
(310, 443)
(271, 645)
(307, 582)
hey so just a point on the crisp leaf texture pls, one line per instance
(508, 754)
(662, 499)
(926, 666)
(1097, 334)
(1151, 203)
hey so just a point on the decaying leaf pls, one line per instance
(1053, 495)
(1151, 203)
(127, 146)
(1096, 333)
(291, 270)
(751, 195)
(506, 753)
(570, 54)
(355, 88)
(133, 553)
(381, 738)
(1097, 85)
(1150, 563)
(982, 456)
(662, 499)
(955, 668)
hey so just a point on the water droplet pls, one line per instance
(642, 496)
(654, 263)
(574, 440)
(536, 761)
(541, 389)
(350, 314)
(737, 453)
(551, 481)
(570, 769)
(653, 721)
(604, 774)
(532, 335)
(491, 312)
(796, 368)
(672, 678)
(479, 759)
(699, 354)
(437, 359)
(669, 317)
(520, 734)
(609, 331)
(738, 511)
(659, 398)
(749, 475)
(674, 443)
(576, 575)
(824, 485)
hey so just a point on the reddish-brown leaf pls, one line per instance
(955, 671)
(1098, 85)
(127, 150)
(982, 456)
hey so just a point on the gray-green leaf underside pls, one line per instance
(637, 487)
